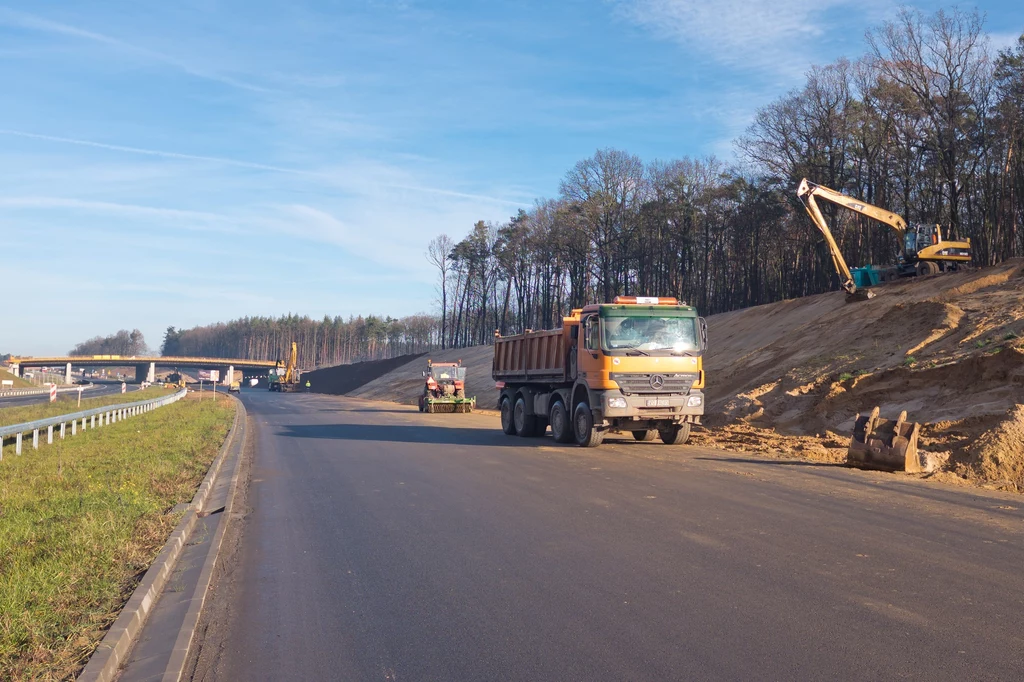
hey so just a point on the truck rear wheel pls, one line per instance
(506, 417)
(645, 436)
(561, 424)
(526, 424)
(587, 435)
(674, 434)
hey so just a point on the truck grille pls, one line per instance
(655, 383)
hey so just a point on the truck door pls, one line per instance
(590, 361)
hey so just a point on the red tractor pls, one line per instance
(445, 388)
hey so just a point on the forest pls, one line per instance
(928, 123)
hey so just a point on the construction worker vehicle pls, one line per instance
(285, 379)
(924, 249)
(631, 366)
(444, 388)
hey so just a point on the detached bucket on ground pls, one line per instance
(885, 444)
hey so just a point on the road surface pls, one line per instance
(386, 544)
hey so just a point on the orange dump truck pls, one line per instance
(633, 365)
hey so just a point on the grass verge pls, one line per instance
(17, 382)
(67, 403)
(82, 520)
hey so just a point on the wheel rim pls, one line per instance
(506, 413)
(518, 417)
(581, 424)
(557, 421)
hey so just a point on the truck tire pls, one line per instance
(561, 423)
(506, 417)
(645, 436)
(890, 275)
(583, 427)
(526, 424)
(675, 434)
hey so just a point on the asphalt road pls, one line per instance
(385, 544)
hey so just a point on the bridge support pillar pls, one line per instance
(151, 374)
(67, 374)
(16, 370)
(229, 375)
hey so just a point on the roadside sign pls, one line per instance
(124, 387)
(214, 375)
(53, 393)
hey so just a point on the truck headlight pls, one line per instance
(694, 401)
(618, 403)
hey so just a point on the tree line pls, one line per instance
(123, 342)
(330, 341)
(928, 123)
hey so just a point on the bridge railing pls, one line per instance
(108, 414)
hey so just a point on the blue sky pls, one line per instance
(180, 163)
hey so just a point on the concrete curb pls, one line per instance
(115, 646)
(182, 644)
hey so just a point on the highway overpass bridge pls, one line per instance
(145, 367)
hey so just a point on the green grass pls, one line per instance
(909, 360)
(67, 403)
(18, 381)
(80, 522)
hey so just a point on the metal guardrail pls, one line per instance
(42, 391)
(108, 414)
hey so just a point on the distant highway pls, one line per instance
(384, 544)
(99, 390)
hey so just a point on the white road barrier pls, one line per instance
(108, 414)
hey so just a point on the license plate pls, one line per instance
(657, 402)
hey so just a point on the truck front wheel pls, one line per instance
(674, 434)
(506, 417)
(587, 435)
(561, 424)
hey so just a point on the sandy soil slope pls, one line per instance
(405, 384)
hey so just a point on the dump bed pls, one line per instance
(533, 356)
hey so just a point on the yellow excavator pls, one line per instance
(924, 249)
(285, 379)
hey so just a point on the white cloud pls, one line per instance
(771, 36)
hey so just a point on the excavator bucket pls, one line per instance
(885, 444)
(859, 295)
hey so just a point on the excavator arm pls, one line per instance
(807, 191)
(810, 190)
(289, 372)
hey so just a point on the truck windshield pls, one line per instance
(673, 334)
(448, 373)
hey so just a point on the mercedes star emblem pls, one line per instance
(657, 382)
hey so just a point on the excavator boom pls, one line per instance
(807, 191)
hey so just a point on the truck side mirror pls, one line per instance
(703, 333)
(424, 374)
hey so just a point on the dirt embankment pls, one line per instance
(404, 384)
(790, 377)
(342, 379)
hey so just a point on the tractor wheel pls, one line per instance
(526, 424)
(561, 423)
(586, 433)
(645, 436)
(674, 434)
(507, 425)
(890, 275)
